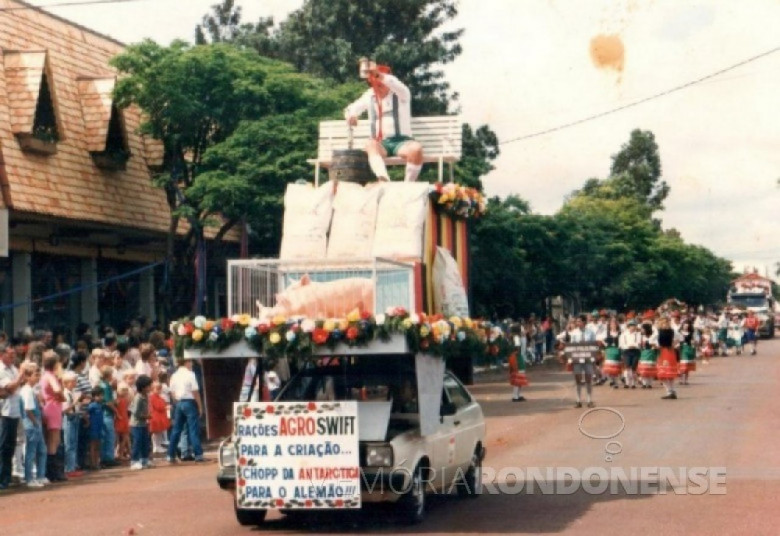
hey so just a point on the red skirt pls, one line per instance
(667, 364)
(687, 366)
(647, 369)
(612, 368)
(518, 379)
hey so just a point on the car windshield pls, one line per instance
(748, 300)
(361, 379)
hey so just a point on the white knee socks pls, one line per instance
(377, 165)
(412, 172)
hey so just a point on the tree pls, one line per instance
(326, 38)
(636, 169)
(194, 100)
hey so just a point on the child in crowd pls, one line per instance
(71, 422)
(159, 421)
(32, 420)
(139, 424)
(122, 421)
(95, 412)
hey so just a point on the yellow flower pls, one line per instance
(456, 321)
(243, 320)
(407, 323)
(208, 326)
(278, 320)
(343, 324)
(424, 331)
(468, 322)
(329, 325)
(197, 335)
(354, 315)
(274, 338)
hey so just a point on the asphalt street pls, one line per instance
(707, 463)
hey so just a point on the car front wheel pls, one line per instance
(412, 504)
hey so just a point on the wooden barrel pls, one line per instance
(350, 165)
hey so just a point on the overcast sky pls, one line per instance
(532, 65)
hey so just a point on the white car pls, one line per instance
(398, 463)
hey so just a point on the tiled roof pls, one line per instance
(96, 101)
(68, 184)
(23, 73)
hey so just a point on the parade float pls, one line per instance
(359, 266)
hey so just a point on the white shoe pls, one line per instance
(136, 466)
(147, 465)
(35, 484)
(44, 481)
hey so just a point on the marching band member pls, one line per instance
(583, 372)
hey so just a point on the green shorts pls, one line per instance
(392, 145)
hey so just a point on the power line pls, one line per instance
(67, 4)
(643, 100)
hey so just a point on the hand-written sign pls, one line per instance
(297, 455)
(582, 352)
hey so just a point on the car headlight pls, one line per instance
(227, 455)
(379, 456)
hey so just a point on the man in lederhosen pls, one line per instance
(388, 102)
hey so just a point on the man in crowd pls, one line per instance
(10, 411)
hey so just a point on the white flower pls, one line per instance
(213, 336)
(390, 311)
(380, 319)
(290, 336)
(235, 318)
(307, 325)
(415, 318)
(182, 331)
(254, 322)
(199, 321)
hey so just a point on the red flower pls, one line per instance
(270, 409)
(352, 333)
(319, 336)
(227, 324)
(339, 503)
(247, 412)
(242, 461)
(365, 315)
(399, 311)
(241, 482)
(189, 328)
(439, 187)
(308, 503)
(279, 502)
(263, 328)
(311, 406)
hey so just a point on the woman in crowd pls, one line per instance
(53, 396)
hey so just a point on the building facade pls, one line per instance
(85, 228)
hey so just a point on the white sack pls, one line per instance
(400, 222)
(307, 214)
(354, 220)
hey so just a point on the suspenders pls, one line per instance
(372, 116)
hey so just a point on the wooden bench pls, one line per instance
(440, 137)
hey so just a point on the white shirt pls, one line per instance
(367, 99)
(183, 384)
(27, 396)
(9, 406)
(94, 376)
(629, 340)
(143, 367)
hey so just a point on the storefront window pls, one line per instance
(52, 308)
(118, 297)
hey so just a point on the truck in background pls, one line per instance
(751, 292)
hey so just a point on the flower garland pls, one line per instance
(298, 337)
(458, 201)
